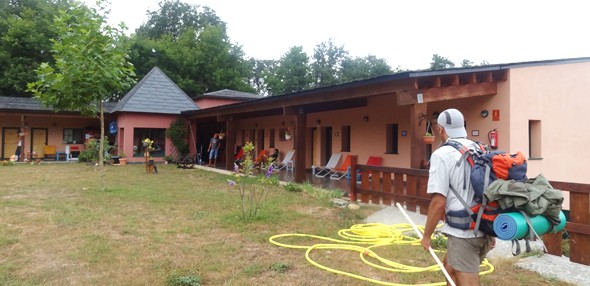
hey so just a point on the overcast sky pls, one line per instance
(406, 33)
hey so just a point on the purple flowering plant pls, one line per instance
(253, 188)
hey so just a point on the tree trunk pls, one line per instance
(101, 147)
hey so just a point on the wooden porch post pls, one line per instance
(230, 143)
(418, 121)
(300, 142)
(353, 163)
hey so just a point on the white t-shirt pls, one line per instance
(443, 170)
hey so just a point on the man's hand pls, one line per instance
(425, 242)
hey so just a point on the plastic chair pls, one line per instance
(49, 152)
(341, 171)
(326, 170)
(287, 162)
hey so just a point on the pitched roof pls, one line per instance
(31, 104)
(22, 103)
(156, 93)
(231, 94)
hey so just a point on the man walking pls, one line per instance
(466, 249)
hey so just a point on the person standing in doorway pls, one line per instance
(19, 145)
(465, 249)
(214, 145)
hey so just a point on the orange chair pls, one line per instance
(341, 171)
(260, 159)
(49, 152)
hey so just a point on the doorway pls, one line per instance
(38, 142)
(9, 138)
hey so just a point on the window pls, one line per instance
(391, 140)
(271, 141)
(158, 135)
(73, 136)
(345, 139)
(535, 139)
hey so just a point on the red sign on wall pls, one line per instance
(496, 115)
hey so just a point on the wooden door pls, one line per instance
(39, 140)
(9, 142)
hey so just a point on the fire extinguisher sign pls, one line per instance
(496, 115)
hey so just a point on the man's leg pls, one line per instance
(449, 269)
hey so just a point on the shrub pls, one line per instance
(253, 189)
(177, 133)
(92, 149)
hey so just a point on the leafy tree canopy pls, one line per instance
(440, 62)
(91, 64)
(25, 33)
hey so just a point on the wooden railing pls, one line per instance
(388, 185)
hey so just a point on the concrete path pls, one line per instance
(547, 265)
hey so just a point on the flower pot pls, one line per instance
(428, 139)
(122, 161)
(288, 137)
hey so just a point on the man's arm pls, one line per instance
(436, 211)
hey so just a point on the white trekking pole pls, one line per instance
(442, 267)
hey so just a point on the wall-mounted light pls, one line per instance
(484, 113)
(318, 122)
(366, 118)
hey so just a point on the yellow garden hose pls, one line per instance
(363, 238)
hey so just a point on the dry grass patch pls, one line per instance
(58, 228)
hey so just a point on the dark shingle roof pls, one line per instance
(31, 104)
(22, 103)
(231, 94)
(156, 93)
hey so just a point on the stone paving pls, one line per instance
(547, 265)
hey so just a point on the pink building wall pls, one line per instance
(126, 122)
(212, 102)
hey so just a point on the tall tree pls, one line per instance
(363, 68)
(25, 30)
(440, 63)
(190, 44)
(91, 65)
(174, 18)
(327, 62)
(292, 72)
(467, 63)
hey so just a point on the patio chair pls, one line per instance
(49, 152)
(260, 159)
(372, 161)
(326, 170)
(287, 162)
(341, 171)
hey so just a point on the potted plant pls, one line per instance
(428, 138)
(221, 135)
(122, 159)
(168, 159)
(288, 134)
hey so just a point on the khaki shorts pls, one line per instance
(466, 254)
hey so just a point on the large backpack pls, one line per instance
(482, 169)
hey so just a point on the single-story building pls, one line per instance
(531, 107)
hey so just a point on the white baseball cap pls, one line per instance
(453, 122)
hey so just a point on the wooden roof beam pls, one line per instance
(447, 93)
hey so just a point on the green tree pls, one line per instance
(467, 63)
(292, 73)
(363, 68)
(190, 44)
(173, 18)
(327, 62)
(440, 63)
(25, 33)
(91, 65)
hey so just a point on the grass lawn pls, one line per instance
(177, 227)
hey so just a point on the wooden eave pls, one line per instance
(452, 86)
